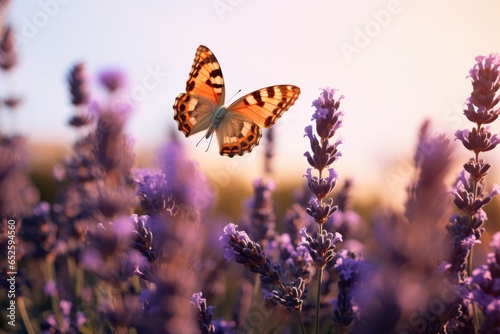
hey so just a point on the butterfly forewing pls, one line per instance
(205, 77)
(193, 110)
(266, 105)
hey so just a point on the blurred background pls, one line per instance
(396, 62)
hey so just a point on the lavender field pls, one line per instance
(105, 242)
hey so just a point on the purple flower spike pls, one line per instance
(485, 77)
(320, 211)
(112, 79)
(327, 116)
(155, 193)
(478, 141)
(204, 313)
(321, 246)
(321, 187)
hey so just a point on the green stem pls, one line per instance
(470, 256)
(54, 298)
(25, 316)
(256, 289)
(302, 328)
(320, 274)
(474, 305)
(318, 299)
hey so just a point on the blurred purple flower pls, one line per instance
(262, 220)
(204, 313)
(143, 236)
(350, 269)
(50, 288)
(71, 322)
(486, 279)
(191, 191)
(12, 102)
(112, 79)
(78, 80)
(8, 52)
(155, 193)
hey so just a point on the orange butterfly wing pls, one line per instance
(239, 132)
(205, 92)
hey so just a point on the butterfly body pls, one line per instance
(218, 117)
(238, 126)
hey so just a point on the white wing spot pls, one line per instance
(250, 99)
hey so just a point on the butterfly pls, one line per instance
(238, 126)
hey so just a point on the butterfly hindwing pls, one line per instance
(193, 113)
(237, 134)
(266, 105)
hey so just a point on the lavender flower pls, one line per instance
(478, 140)
(155, 193)
(350, 268)
(191, 191)
(8, 53)
(12, 102)
(112, 79)
(269, 151)
(486, 279)
(262, 217)
(290, 297)
(72, 322)
(204, 313)
(469, 192)
(241, 249)
(143, 237)
(320, 211)
(328, 119)
(78, 84)
(327, 114)
(300, 264)
(173, 281)
(432, 161)
(485, 84)
(38, 232)
(321, 246)
(324, 153)
(295, 219)
(321, 187)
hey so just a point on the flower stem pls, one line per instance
(302, 328)
(256, 289)
(318, 298)
(470, 256)
(25, 316)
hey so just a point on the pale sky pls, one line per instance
(396, 63)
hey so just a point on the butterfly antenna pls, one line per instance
(232, 97)
(210, 142)
(200, 141)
